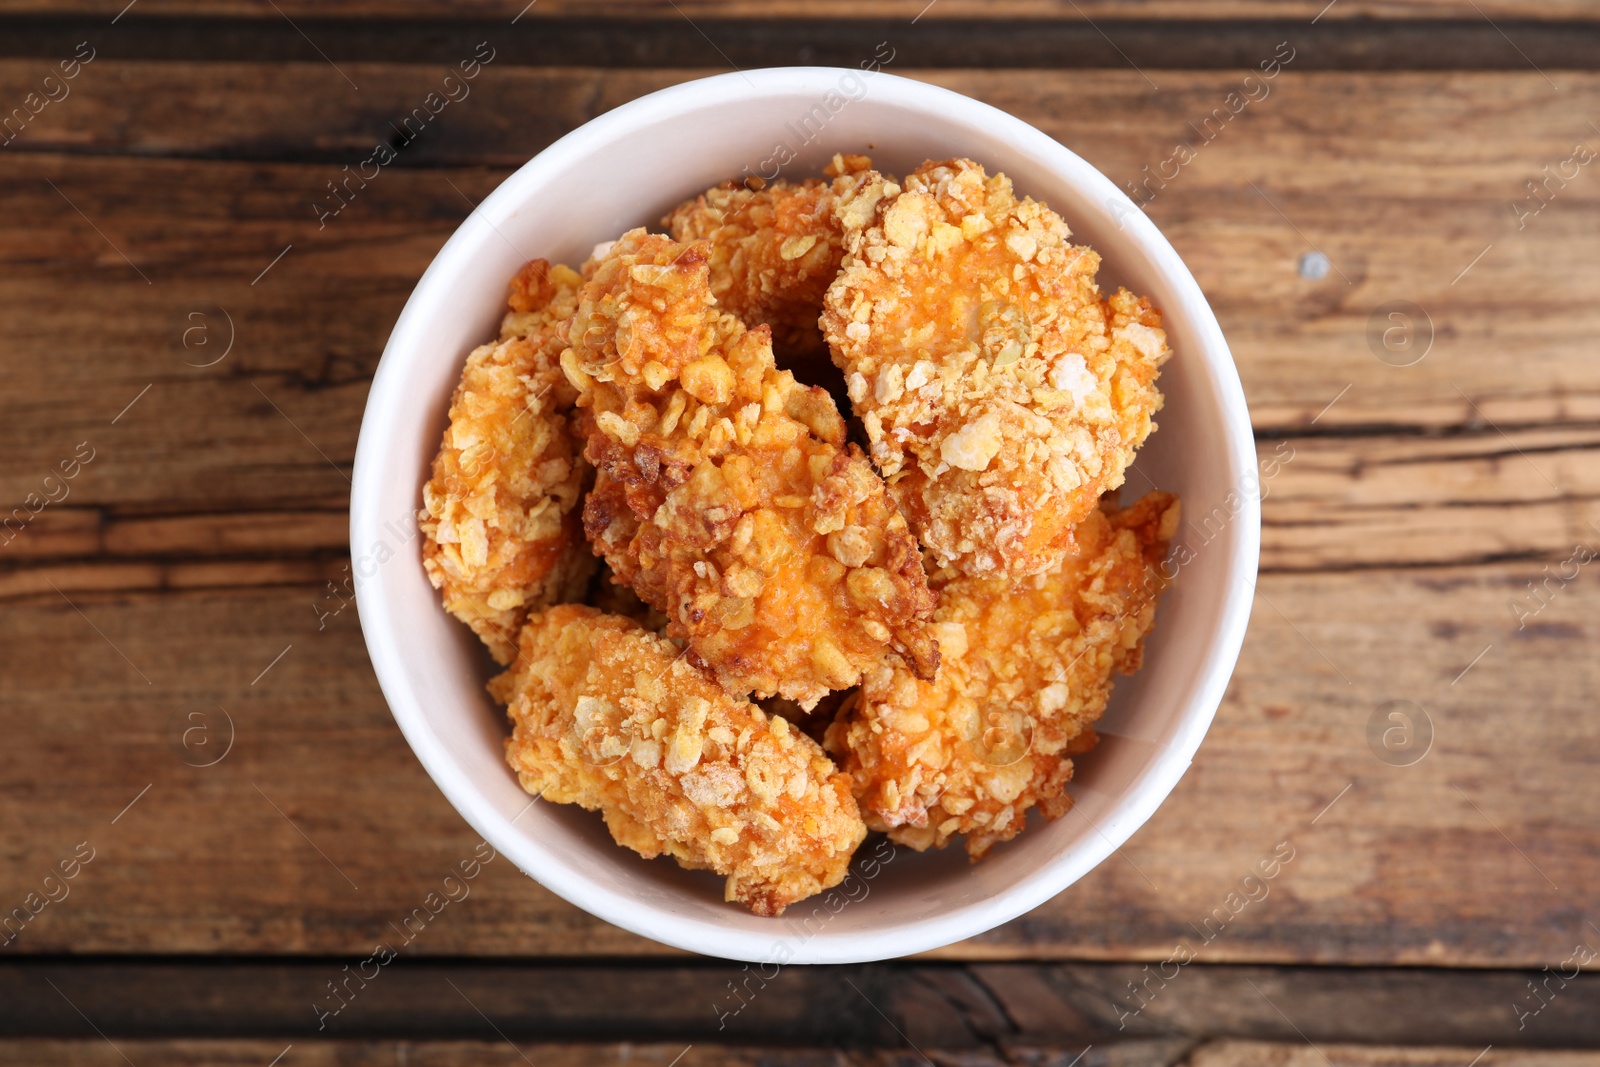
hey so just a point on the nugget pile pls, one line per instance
(788, 641)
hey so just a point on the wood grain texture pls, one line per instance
(1283, 1054)
(347, 834)
(1455, 456)
(1334, 502)
(199, 543)
(245, 1053)
(1368, 171)
(490, 1053)
(842, 9)
(963, 1010)
(1472, 43)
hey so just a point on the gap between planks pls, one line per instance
(950, 1006)
(1468, 41)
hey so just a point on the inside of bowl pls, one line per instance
(606, 179)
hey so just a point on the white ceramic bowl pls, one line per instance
(625, 169)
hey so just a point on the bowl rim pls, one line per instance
(1143, 796)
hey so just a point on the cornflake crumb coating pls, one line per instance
(1001, 395)
(1025, 671)
(501, 533)
(774, 250)
(726, 495)
(610, 717)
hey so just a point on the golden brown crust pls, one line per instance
(774, 251)
(1025, 671)
(1000, 393)
(610, 717)
(748, 549)
(542, 298)
(726, 495)
(500, 535)
(773, 254)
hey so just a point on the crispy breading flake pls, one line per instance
(750, 550)
(774, 251)
(501, 537)
(1001, 394)
(726, 494)
(1026, 667)
(610, 717)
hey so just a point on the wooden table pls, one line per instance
(187, 698)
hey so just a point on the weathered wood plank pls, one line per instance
(200, 538)
(839, 9)
(492, 1053)
(1003, 1008)
(77, 532)
(253, 1053)
(1261, 1054)
(1331, 503)
(1401, 207)
(1409, 866)
(1448, 40)
(247, 1053)
(1344, 501)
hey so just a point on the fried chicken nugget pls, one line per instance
(608, 716)
(726, 495)
(774, 251)
(1025, 671)
(500, 533)
(1000, 394)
